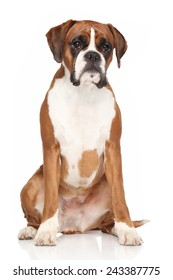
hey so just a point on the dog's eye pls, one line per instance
(77, 44)
(106, 48)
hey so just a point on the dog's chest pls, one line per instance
(81, 118)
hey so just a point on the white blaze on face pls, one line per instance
(81, 63)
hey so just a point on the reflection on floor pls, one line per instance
(91, 245)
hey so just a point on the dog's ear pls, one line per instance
(120, 43)
(56, 36)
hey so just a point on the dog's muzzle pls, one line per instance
(91, 72)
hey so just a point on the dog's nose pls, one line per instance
(92, 56)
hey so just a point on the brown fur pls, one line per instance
(88, 163)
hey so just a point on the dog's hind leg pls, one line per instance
(32, 197)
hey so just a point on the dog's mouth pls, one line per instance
(91, 73)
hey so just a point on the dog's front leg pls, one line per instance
(46, 234)
(47, 231)
(123, 227)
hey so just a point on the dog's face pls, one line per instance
(86, 49)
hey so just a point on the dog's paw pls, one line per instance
(45, 238)
(46, 234)
(27, 233)
(126, 235)
(130, 238)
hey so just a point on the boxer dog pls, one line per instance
(79, 187)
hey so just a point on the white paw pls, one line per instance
(127, 235)
(45, 238)
(46, 234)
(27, 233)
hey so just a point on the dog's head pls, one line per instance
(86, 49)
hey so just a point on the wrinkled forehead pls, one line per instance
(89, 29)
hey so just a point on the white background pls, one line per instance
(143, 89)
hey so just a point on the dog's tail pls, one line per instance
(140, 223)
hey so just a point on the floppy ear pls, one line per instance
(56, 36)
(120, 43)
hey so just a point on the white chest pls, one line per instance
(82, 118)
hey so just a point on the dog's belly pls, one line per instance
(82, 123)
(84, 212)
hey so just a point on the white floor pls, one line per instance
(91, 250)
(92, 245)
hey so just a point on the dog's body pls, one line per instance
(80, 185)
